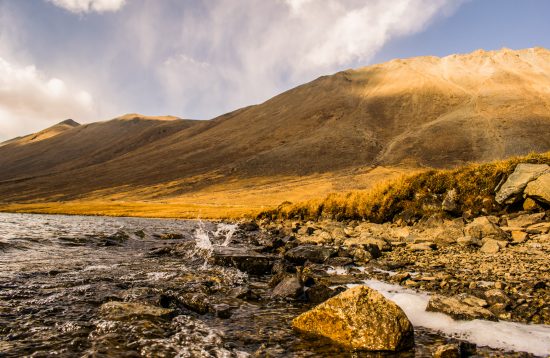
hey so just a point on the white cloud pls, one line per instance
(256, 49)
(81, 6)
(30, 101)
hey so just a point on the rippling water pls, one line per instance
(57, 271)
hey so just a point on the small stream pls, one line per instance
(57, 271)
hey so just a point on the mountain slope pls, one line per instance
(424, 111)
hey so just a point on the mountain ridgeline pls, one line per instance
(418, 112)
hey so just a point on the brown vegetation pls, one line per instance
(415, 195)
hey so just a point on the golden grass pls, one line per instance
(474, 184)
(230, 200)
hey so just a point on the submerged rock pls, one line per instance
(458, 309)
(118, 311)
(359, 318)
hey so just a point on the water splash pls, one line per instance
(226, 230)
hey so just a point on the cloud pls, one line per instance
(255, 49)
(30, 101)
(81, 6)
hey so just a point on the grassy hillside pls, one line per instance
(413, 196)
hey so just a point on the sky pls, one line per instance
(93, 60)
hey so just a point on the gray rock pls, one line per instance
(245, 260)
(289, 287)
(539, 189)
(483, 228)
(458, 309)
(312, 253)
(518, 180)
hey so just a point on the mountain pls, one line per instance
(43, 134)
(418, 112)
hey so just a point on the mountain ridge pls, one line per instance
(417, 112)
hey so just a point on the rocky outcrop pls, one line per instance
(518, 180)
(359, 318)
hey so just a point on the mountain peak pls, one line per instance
(69, 122)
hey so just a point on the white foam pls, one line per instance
(510, 336)
(226, 230)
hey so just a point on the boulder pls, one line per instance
(359, 318)
(118, 311)
(313, 253)
(483, 228)
(458, 309)
(518, 180)
(245, 260)
(289, 287)
(539, 189)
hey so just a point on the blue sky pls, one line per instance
(95, 59)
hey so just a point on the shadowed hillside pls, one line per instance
(419, 112)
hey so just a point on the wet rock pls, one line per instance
(518, 180)
(339, 261)
(483, 228)
(196, 302)
(245, 260)
(249, 226)
(447, 351)
(171, 236)
(359, 318)
(539, 189)
(289, 287)
(312, 253)
(457, 309)
(222, 310)
(319, 293)
(119, 311)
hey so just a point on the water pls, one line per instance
(56, 272)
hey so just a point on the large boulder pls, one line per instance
(459, 309)
(313, 253)
(518, 180)
(359, 319)
(539, 189)
(482, 229)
